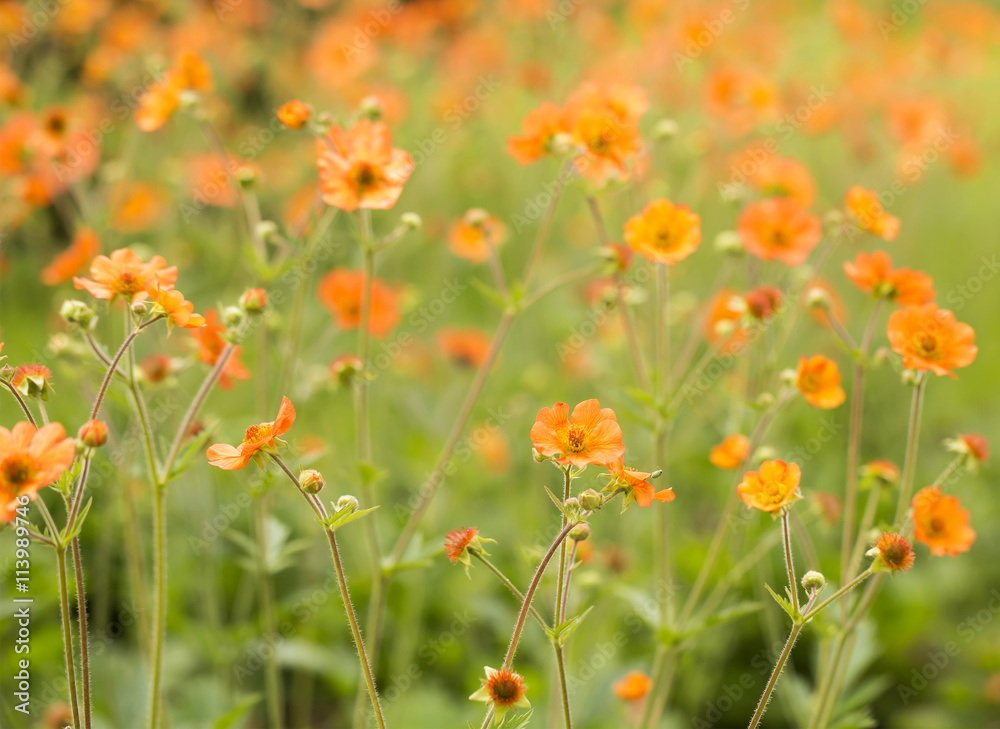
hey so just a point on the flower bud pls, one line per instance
(93, 433)
(246, 175)
(590, 499)
(561, 144)
(728, 242)
(346, 502)
(665, 129)
(411, 221)
(910, 377)
(311, 481)
(6, 372)
(765, 400)
(818, 298)
(78, 313)
(813, 581)
(371, 107)
(141, 308)
(539, 458)
(580, 533)
(188, 99)
(833, 220)
(266, 230)
(253, 301)
(233, 317)
(724, 327)
(788, 377)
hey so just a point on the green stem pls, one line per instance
(793, 585)
(159, 600)
(272, 677)
(912, 445)
(81, 606)
(558, 611)
(67, 631)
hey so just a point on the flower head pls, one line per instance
(633, 686)
(590, 435)
(664, 232)
(892, 553)
(866, 210)
(257, 437)
(779, 229)
(74, 259)
(941, 523)
(763, 301)
(466, 347)
(32, 380)
(773, 487)
(603, 121)
(293, 114)
(785, 177)
(460, 543)
(929, 338)
(188, 73)
(819, 382)
(874, 274)
(886, 472)
(341, 292)
(171, 303)
(731, 452)
(975, 448)
(504, 689)
(476, 235)
(637, 484)
(125, 274)
(538, 129)
(31, 459)
(359, 168)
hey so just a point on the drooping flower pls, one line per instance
(31, 459)
(633, 686)
(591, 435)
(974, 446)
(171, 303)
(293, 114)
(341, 292)
(874, 274)
(819, 382)
(467, 347)
(358, 168)
(504, 689)
(731, 452)
(125, 274)
(638, 485)
(664, 232)
(866, 210)
(893, 553)
(940, 522)
(32, 380)
(886, 472)
(460, 543)
(211, 345)
(68, 263)
(929, 338)
(538, 129)
(257, 437)
(779, 229)
(476, 235)
(771, 488)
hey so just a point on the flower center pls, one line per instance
(926, 345)
(364, 174)
(576, 438)
(505, 690)
(937, 526)
(128, 283)
(779, 238)
(16, 469)
(257, 434)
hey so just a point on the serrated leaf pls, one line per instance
(65, 482)
(232, 716)
(557, 502)
(342, 517)
(515, 721)
(561, 633)
(785, 605)
(81, 516)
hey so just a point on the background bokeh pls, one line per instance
(840, 86)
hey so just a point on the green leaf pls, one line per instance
(723, 616)
(195, 448)
(68, 477)
(561, 633)
(344, 516)
(785, 605)
(515, 721)
(490, 293)
(230, 718)
(81, 516)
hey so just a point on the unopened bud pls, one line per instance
(188, 99)
(233, 317)
(78, 313)
(813, 581)
(728, 242)
(561, 144)
(724, 327)
(93, 434)
(590, 499)
(539, 458)
(765, 400)
(910, 377)
(311, 481)
(880, 356)
(246, 175)
(371, 107)
(253, 301)
(580, 533)
(788, 377)
(818, 298)
(572, 504)
(411, 221)
(346, 502)
(266, 230)
(665, 129)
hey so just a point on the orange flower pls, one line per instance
(637, 484)
(171, 302)
(136, 206)
(874, 274)
(124, 274)
(341, 291)
(941, 523)
(457, 541)
(779, 229)
(731, 452)
(32, 380)
(664, 232)
(590, 435)
(210, 347)
(865, 209)
(359, 168)
(975, 446)
(893, 553)
(466, 347)
(723, 320)
(157, 105)
(929, 338)
(256, 438)
(885, 471)
(538, 129)
(504, 689)
(763, 301)
(476, 235)
(294, 114)
(785, 177)
(604, 121)
(31, 459)
(819, 382)
(773, 487)
(633, 687)
(71, 261)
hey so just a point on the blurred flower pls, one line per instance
(124, 274)
(885, 471)
(188, 73)
(773, 487)
(637, 484)
(725, 312)
(210, 347)
(664, 232)
(538, 129)
(504, 689)
(136, 206)
(476, 235)
(830, 506)
(341, 292)
(156, 367)
(785, 177)
(779, 229)
(834, 304)
(74, 259)
(358, 168)
(603, 120)
(874, 274)
(865, 209)
(819, 382)
(633, 686)
(590, 435)
(257, 437)
(731, 452)
(171, 303)
(467, 347)
(31, 459)
(941, 523)
(893, 553)
(929, 338)
(975, 446)
(294, 114)
(763, 301)
(32, 380)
